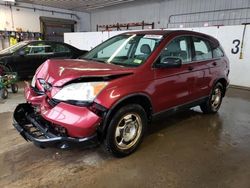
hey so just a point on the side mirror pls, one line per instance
(21, 53)
(169, 62)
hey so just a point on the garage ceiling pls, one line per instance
(76, 5)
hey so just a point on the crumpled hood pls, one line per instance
(58, 72)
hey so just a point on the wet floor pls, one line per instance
(187, 149)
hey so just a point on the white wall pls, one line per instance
(240, 68)
(88, 40)
(28, 19)
(158, 11)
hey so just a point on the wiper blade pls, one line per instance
(83, 58)
(125, 64)
(93, 59)
(98, 60)
(102, 61)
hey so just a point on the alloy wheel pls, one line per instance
(128, 131)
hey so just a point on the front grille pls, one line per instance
(34, 131)
(41, 128)
(36, 128)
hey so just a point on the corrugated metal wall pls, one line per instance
(176, 13)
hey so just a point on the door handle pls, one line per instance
(190, 68)
(214, 63)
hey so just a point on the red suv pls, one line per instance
(110, 94)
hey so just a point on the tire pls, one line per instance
(4, 93)
(212, 105)
(126, 130)
(14, 88)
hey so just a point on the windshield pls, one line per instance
(125, 50)
(13, 48)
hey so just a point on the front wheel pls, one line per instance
(212, 105)
(126, 130)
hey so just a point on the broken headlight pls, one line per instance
(80, 91)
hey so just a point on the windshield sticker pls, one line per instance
(153, 36)
(137, 61)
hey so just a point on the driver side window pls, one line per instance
(177, 48)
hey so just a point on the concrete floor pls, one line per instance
(188, 149)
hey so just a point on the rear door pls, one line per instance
(202, 62)
(61, 51)
(174, 86)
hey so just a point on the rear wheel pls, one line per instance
(126, 130)
(4, 93)
(212, 105)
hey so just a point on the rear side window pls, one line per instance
(217, 52)
(60, 48)
(202, 49)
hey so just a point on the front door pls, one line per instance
(174, 86)
(32, 56)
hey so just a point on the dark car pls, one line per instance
(25, 57)
(118, 87)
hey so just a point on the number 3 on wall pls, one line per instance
(236, 48)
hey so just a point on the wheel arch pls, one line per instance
(138, 98)
(224, 83)
(4, 63)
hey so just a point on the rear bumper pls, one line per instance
(37, 131)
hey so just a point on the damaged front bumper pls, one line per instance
(35, 129)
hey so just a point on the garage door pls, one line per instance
(53, 28)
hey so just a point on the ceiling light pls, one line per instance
(106, 4)
(11, 1)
